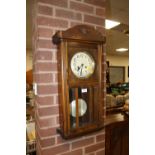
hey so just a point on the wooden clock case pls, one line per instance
(81, 38)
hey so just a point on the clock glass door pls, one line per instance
(81, 106)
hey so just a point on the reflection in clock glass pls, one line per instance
(82, 107)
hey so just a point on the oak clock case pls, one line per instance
(80, 80)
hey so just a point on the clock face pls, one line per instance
(82, 65)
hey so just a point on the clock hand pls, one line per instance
(81, 69)
(78, 68)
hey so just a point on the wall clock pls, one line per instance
(80, 79)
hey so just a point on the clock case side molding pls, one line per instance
(80, 91)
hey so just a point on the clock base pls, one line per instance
(74, 133)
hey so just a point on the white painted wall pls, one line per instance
(119, 61)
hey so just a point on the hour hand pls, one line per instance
(78, 68)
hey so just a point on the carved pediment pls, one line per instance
(80, 32)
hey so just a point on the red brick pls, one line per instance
(44, 78)
(47, 132)
(94, 147)
(94, 20)
(56, 77)
(47, 122)
(56, 100)
(61, 3)
(45, 32)
(68, 14)
(47, 89)
(42, 43)
(75, 23)
(100, 3)
(45, 10)
(60, 140)
(83, 142)
(59, 23)
(81, 7)
(101, 152)
(47, 142)
(56, 150)
(49, 66)
(48, 111)
(47, 100)
(76, 152)
(100, 12)
(100, 137)
(44, 55)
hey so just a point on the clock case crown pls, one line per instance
(80, 38)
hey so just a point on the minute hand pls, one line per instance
(81, 69)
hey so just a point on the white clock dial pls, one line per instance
(82, 65)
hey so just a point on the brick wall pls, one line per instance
(50, 16)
